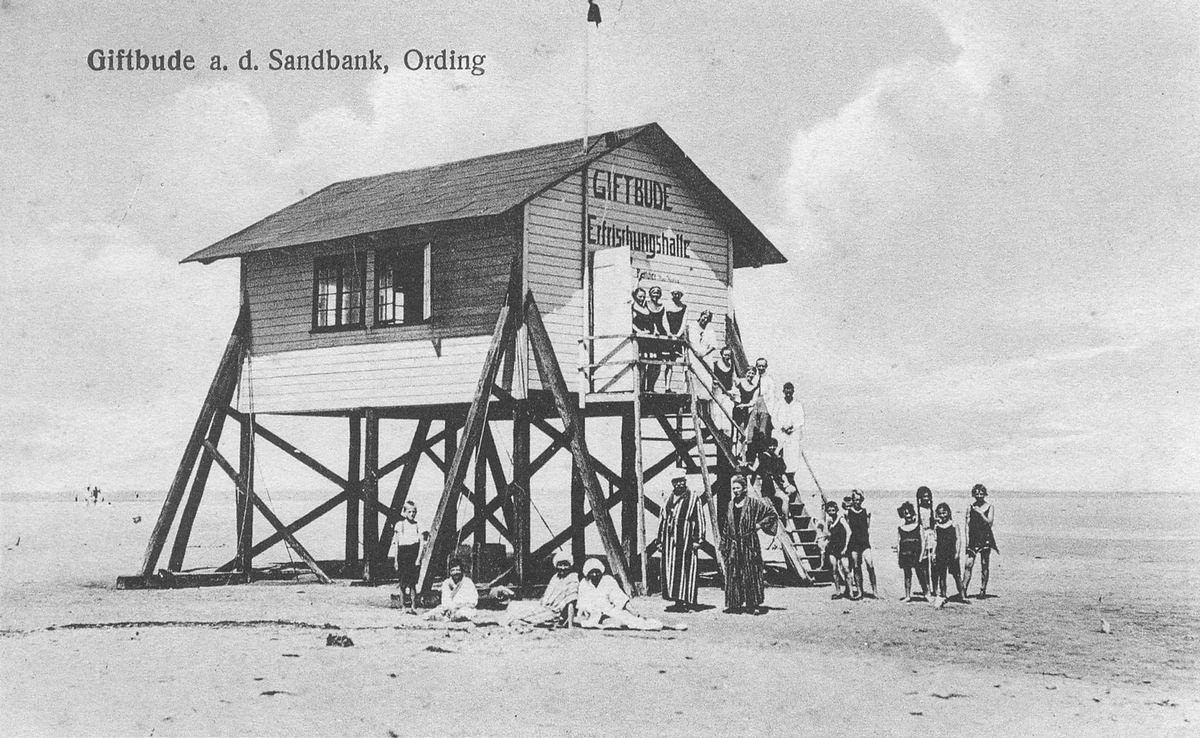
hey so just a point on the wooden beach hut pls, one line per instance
(479, 297)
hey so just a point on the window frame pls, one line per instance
(343, 261)
(386, 262)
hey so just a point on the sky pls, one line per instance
(990, 210)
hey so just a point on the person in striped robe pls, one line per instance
(681, 529)
(741, 550)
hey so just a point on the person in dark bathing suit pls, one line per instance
(909, 550)
(645, 326)
(980, 539)
(946, 553)
(657, 311)
(835, 549)
(675, 323)
(859, 547)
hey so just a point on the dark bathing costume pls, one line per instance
(837, 538)
(945, 552)
(979, 533)
(910, 547)
(724, 376)
(860, 533)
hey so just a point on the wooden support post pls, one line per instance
(520, 524)
(353, 467)
(552, 376)
(480, 503)
(372, 566)
(640, 474)
(266, 512)
(245, 522)
(404, 484)
(629, 485)
(220, 392)
(203, 467)
(578, 540)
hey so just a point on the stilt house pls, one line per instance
(468, 295)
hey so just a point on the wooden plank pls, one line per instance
(552, 376)
(629, 505)
(220, 392)
(372, 565)
(266, 513)
(404, 484)
(245, 520)
(479, 500)
(578, 496)
(204, 465)
(353, 477)
(522, 474)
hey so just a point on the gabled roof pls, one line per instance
(472, 188)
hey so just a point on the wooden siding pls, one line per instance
(554, 272)
(554, 242)
(295, 369)
(704, 275)
(363, 375)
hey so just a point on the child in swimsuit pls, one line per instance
(946, 553)
(859, 547)
(835, 550)
(909, 551)
(980, 539)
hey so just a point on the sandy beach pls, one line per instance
(79, 657)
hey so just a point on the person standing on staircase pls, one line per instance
(741, 550)
(788, 419)
(680, 532)
(768, 388)
(703, 337)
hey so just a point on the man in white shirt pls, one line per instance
(768, 388)
(788, 419)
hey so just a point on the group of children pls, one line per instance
(929, 544)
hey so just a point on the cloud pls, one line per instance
(1001, 243)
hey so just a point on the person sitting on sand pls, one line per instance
(946, 553)
(556, 608)
(980, 539)
(909, 550)
(835, 550)
(603, 604)
(859, 546)
(459, 596)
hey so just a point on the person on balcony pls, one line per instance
(645, 327)
(675, 323)
(704, 340)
